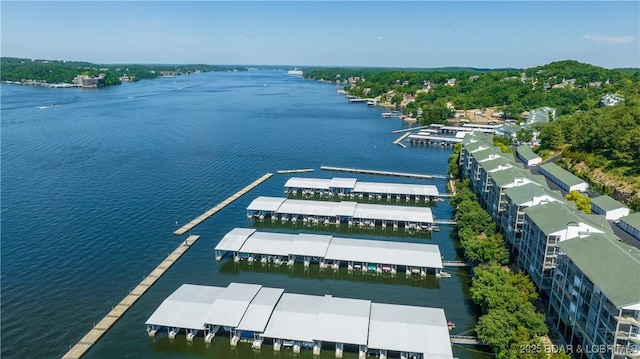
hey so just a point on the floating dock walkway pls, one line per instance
(382, 173)
(99, 329)
(397, 141)
(409, 129)
(257, 314)
(282, 172)
(189, 226)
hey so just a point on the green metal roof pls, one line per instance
(474, 146)
(610, 264)
(478, 136)
(607, 203)
(524, 193)
(526, 153)
(482, 155)
(507, 176)
(492, 164)
(562, 174)
(551, 217)
(633, 220)
(554, 216)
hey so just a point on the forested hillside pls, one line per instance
(600, 144)
(52, 71)
(567, 86)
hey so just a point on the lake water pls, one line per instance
(94, 182)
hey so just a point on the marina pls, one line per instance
(409, 129)
(258, 315)
(352, 213)
(352, 188)
(118, 311)
(381, 173)
(434, 140)
(189, 226)
(331, 252)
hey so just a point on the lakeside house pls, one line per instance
(575, 259)
(87, 81)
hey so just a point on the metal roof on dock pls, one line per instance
(294, 317)
(362, 186)
(235, 239)
(308, 318)
(186, 307)
(343, 209)
(276, 244)
(343, 320)
(388, 252)
(231, 304)
(259, 311)
(341, 249)
(409, 329)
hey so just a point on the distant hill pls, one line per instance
(54, 71)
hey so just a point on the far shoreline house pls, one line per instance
(87, 81)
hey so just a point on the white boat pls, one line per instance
(295, 71)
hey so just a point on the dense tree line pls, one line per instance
(607, 139)
(512, 90)
(510, 323)
(52, 71)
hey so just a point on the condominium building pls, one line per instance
(595, 296)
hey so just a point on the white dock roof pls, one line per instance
(234, 240)
(312, 245)
(343, 320)
(387, 252)
(259, 311)
(395, 213)
(344, 208)
(410, 329)
(277, 244)
(312, 208)
(396, 188)
(264, 203)
(231, 304)
(294, 317)
(303, 182)
(186, 307)
(338, 182)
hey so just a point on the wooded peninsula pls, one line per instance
(596, 111)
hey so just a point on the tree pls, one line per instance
(582, 202)
(551, 136)
(524, 135)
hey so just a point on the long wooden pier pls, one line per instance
(102, 326)
(281, 172)
(401, 138)
(382, 173)
(201, 218)
(409, 129)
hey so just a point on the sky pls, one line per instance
(481, 34)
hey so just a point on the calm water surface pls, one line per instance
(94, 184)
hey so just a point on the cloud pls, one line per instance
(609, 39)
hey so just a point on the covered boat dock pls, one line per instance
(331, 252)
(353, 213)
(352, 188)
(305, 321)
